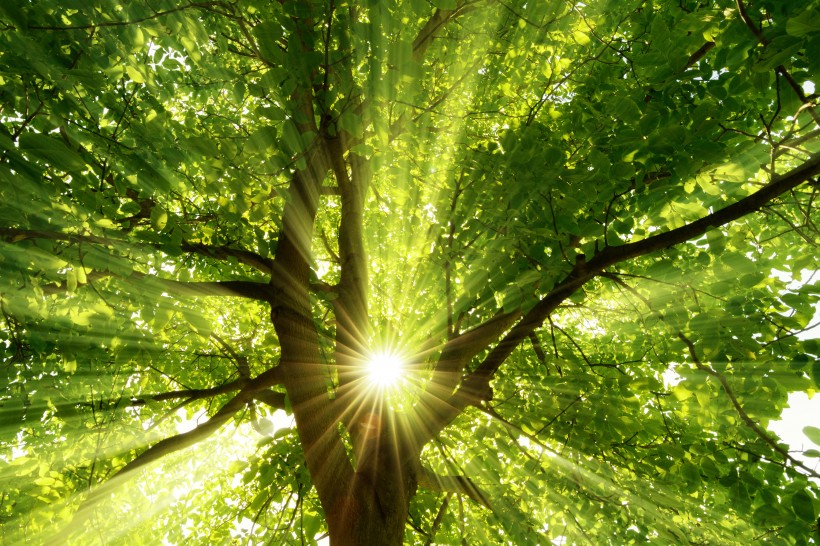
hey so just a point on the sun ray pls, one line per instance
(385, 369)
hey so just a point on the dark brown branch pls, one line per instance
(155, 452)
(352, 287)
(449, 369)
(744, 15)
(433, 25)
(459, 350)
(300, 355)
(185, 439)
(254, 389)
(15, 235)
(323, 288)
(244, 289)
(190, 394)
(245, 257)
(476, 387)
(274, 399)
(241, 361)
(798, 90)
(752, 203)
(743, 415)
(438, 519)
(699, 54)
(537, 348)
(330, 191)
(791, 145)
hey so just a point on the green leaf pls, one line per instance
(803, 506)
(445, 4)
(262, 139)
(159, 218)
(799, 361)
(312, 523)
(293, 139)
(773, 57)
(268, 34)
(135, 74)
(352, 123)
(53, 150)
(627, 111)
(15, 13)
(201, 324)
(71, 281)
(805, 23)
(813, 434)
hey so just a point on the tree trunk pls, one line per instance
(363, 520)
(375, 510)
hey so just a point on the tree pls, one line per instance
(215, 213)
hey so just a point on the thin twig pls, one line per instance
(743, 415)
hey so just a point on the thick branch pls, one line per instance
(240, 361)
(253, 389)
(350, 306)
(190, 394)
(699, 54)
(433, 25)
(224, 252)
(301, 364)
(243, 289)
(185, 439)
(153, 453)
(752, 203)
(455, 356)
(15, 235)
(459, 350)
(476, 387)
(274, 399)
(256, 388)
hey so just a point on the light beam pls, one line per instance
(385, 369)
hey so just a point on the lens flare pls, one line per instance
(385, 369)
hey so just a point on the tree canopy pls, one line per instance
(574, 226)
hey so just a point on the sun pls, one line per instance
(385, 369)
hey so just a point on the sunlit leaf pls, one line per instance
(584, 231)
(813, 434)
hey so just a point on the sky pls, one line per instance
(802, 411)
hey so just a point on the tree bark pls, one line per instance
(300, 360)
(375, 507)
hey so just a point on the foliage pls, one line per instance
(577, 222)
